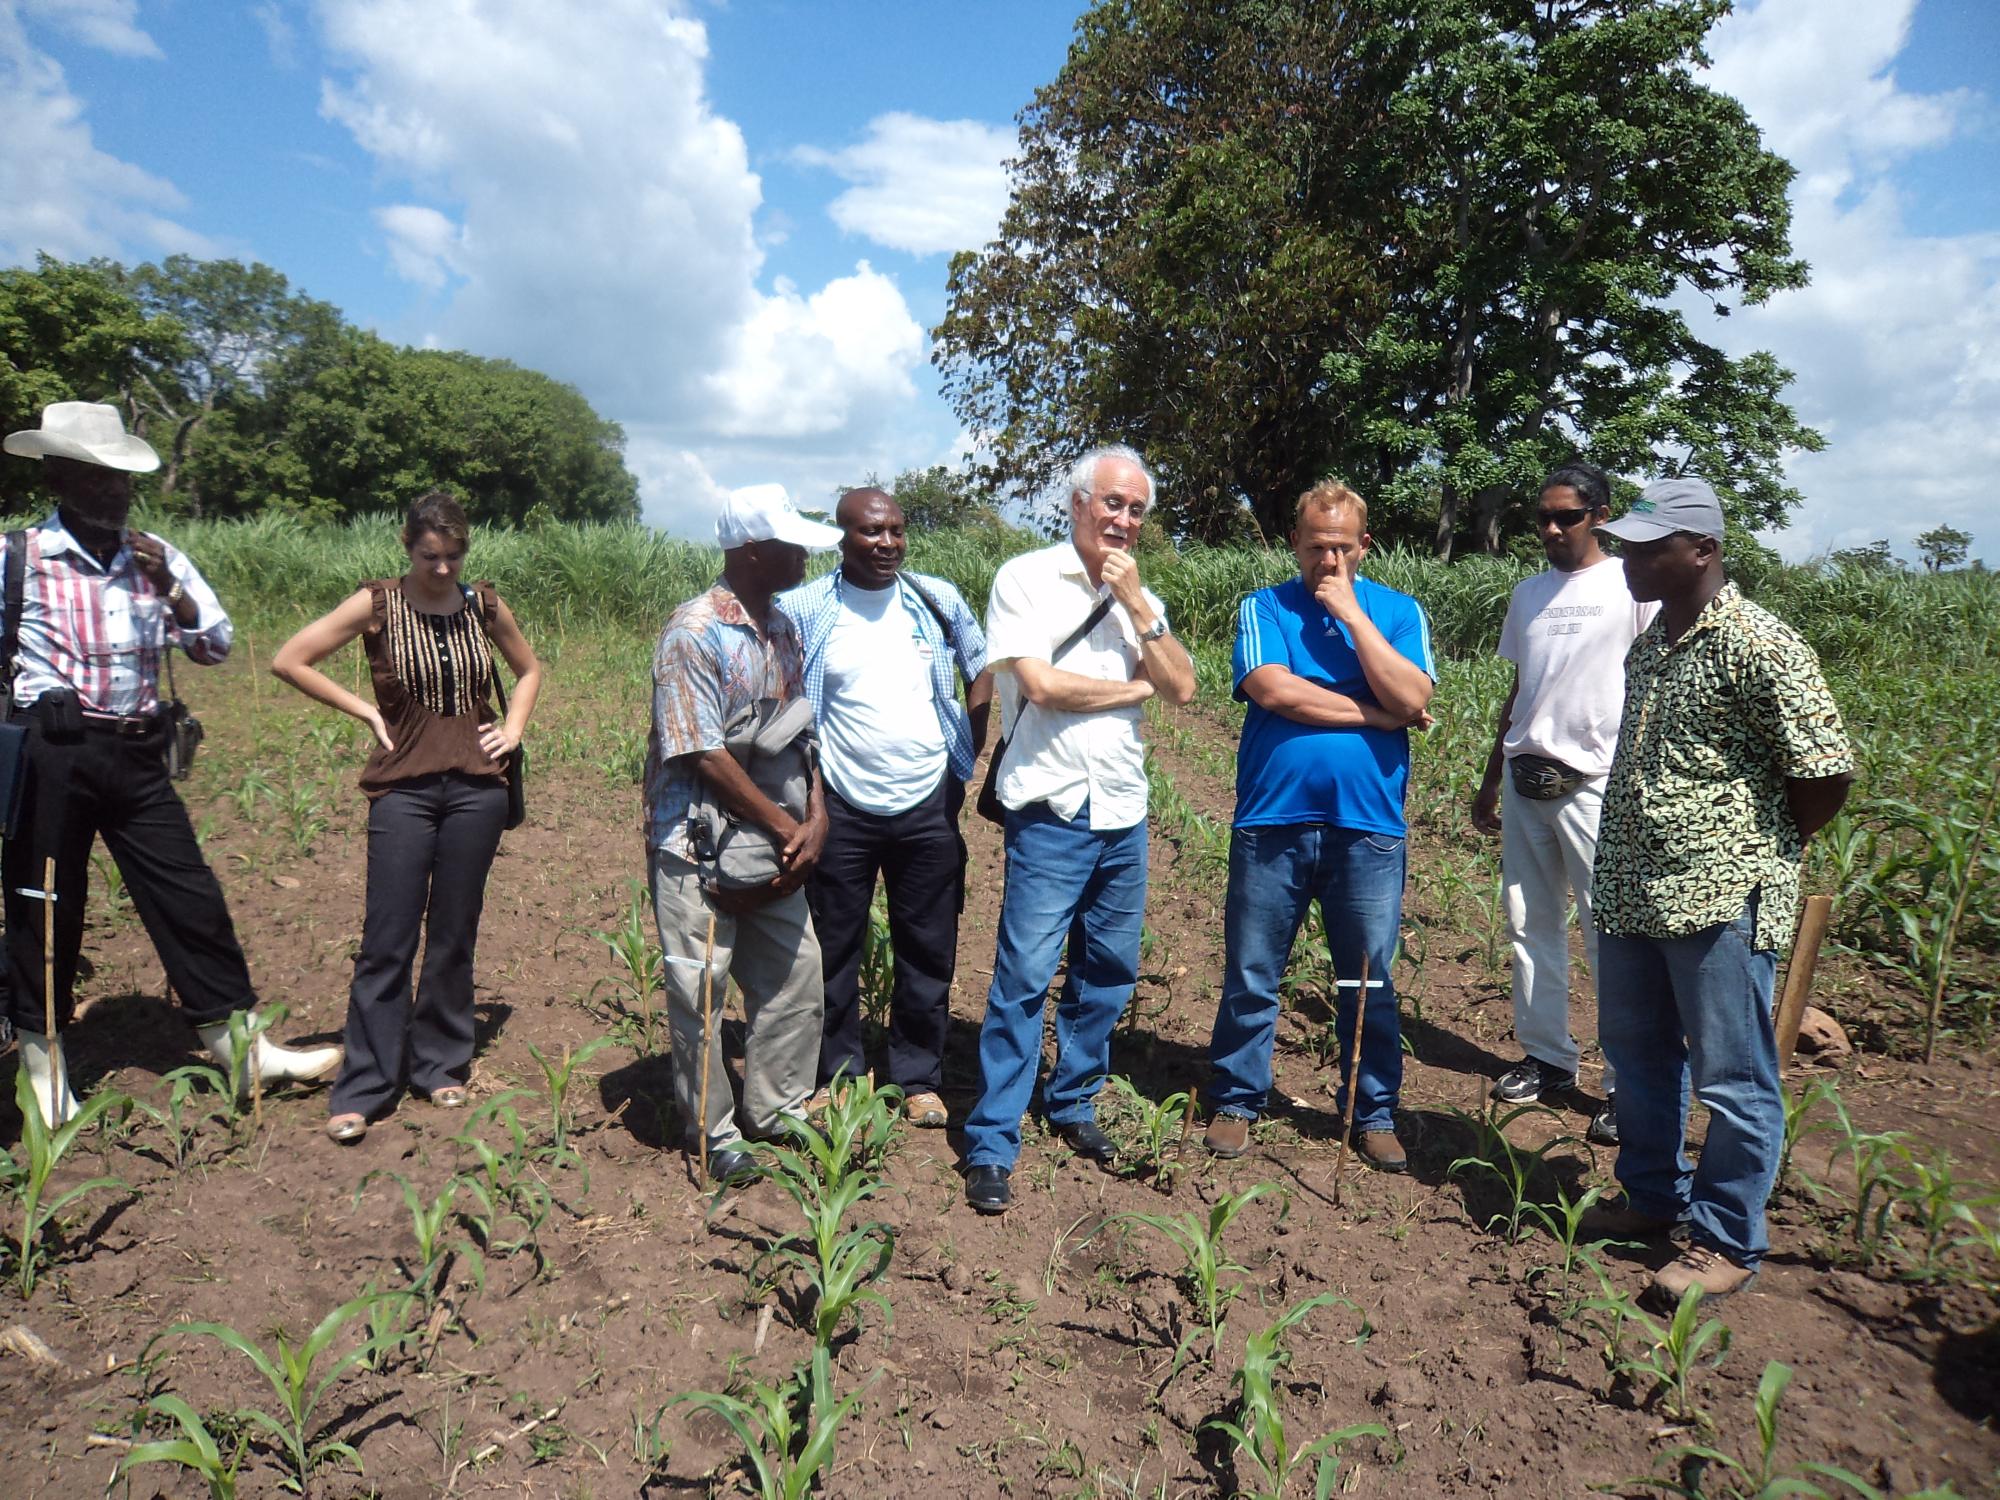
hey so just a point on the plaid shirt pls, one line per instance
(101, 630)
(710, 665)
(815, 609)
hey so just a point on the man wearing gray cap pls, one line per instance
(729, 661)
(1732, 755)
(93, 609)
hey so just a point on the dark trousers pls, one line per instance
(431, 842)
(116, 787)
(921, 860)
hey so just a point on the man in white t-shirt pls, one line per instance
(885, 650)
(1567, 633)
(1077, 645)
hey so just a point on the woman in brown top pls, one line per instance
(437, 789)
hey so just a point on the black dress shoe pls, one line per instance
(987, 1189)
(1085, 1139)
(733, 1168)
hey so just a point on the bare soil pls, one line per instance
(1029, 1354)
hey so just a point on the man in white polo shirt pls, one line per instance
(885, 650)
(1567, 632)
(1077, 646)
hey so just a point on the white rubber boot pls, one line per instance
(48, 1075)
(275, 1064)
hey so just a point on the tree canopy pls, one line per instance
(1433, 246)
(1943, 547)
(260, 398)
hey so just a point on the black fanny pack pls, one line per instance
(1540, 779)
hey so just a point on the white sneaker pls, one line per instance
(275, 1064)
(48, 1075)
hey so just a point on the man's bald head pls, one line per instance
(871, 537)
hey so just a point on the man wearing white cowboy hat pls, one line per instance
(100, 606)
(723, 653)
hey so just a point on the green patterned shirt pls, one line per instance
(1695, 816)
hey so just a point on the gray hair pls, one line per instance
(1083, 473)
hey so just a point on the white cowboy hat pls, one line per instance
(87, 432)
(763, 512)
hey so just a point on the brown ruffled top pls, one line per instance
(433, 678)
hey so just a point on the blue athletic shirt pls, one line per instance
(1287, 772)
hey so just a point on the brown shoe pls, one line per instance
(926, 1111)
(1228, 1135)
(1620, 1221)
(1381, 1150)
(820, 1102)
(1698, 1266)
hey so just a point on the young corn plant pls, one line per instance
(878, 963)
(196, 1450)
(196, 1094)
(1513, 1167)
(1161, 1129)
(432, 1221)
(633, 990)
(788, 1431)
(838, 1262)
(508, 1182)
(299, 1376)
(1258, 1432)
(854, 1133)
(1205, 1262)
(35, 1240)
(1563, 1221)
(558, 1077)
(1669, 1354)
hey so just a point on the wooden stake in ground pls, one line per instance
(1353, 1071)
(1813, 918)
(58, 1082)
(707, 1032)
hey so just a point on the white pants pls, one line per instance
(1546, 851)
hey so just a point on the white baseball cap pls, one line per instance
(764, 513)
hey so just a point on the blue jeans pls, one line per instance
(1064, 881)
(1700, 1005)
(1358, 880)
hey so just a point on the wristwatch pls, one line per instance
(1154, 631)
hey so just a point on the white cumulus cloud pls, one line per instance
(58, 192)
(571, 200)
(921, 185)
(1896, 343)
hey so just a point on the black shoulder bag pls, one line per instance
(13, 734)
(517, 763)
(989, 805)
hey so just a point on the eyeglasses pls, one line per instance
(1561, 518)
(1114, 505)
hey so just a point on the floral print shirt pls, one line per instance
(1695, 817)
(712, 662)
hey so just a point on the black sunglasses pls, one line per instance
(1563, 518)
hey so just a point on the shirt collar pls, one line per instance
(730, 611)
(1719, 611)
(1069, 561)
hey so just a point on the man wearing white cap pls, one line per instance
(99, 608)
(721, 654)
(1731, 756)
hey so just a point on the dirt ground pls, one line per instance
(1029, 1354)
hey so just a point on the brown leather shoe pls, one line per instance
(1620, 1221)
(926, 1111)
(1715, 1273)
(1381, 1150)
(1228, 1135)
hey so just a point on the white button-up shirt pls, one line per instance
(1053, 755)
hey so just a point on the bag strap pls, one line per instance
(950, 637)
(474, 602)
(1102, 608)
(16, 588)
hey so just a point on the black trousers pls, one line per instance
(115, 787)
(921, 859)
(431, 841)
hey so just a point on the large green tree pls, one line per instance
(1434, 246)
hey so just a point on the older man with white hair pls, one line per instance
(92, 609)
(1077, 645)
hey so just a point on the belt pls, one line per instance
(124, 726)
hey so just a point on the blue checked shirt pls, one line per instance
(815, 608)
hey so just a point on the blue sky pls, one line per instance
(729, 224)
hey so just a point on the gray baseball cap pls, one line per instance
(1666, 506)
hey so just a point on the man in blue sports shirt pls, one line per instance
(1335, 668)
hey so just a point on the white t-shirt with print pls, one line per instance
(881, 745)
(1567, 634)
